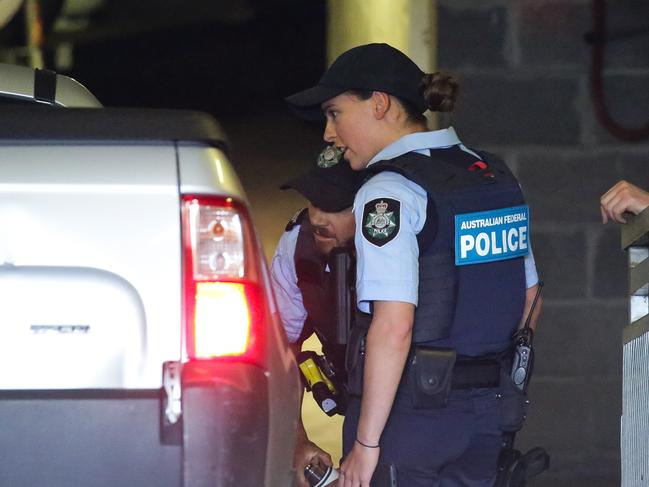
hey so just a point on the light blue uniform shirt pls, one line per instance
(284, 281)
(391, 272)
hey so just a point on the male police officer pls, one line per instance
(300, 276)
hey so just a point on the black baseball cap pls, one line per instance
(331, 189)
(370, 67)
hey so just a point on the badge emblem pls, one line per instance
(381, 219)
(330, 156)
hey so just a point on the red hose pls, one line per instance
(597, 85)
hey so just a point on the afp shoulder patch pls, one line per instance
(381, 220)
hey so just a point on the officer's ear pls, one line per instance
(380, 104)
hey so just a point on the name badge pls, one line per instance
(493, 235)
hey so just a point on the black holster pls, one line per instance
(513, 404)
(515, 468)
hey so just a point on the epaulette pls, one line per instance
(296, 219)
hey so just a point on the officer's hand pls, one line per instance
(307, 452)
(358, 466)
(622, 197)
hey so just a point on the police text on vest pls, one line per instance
(492, 235)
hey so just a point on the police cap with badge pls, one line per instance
(330, 188)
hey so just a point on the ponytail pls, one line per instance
(440, 91)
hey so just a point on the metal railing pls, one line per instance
(634, 441)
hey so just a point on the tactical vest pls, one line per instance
(316, 287)
(472, 308)
(312, 279)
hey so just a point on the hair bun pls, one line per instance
(440, 91)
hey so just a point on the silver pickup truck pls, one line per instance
(139, 341)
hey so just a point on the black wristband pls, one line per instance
(366, 446)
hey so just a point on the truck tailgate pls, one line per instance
(90, 265)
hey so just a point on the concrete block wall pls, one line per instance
(524, 74)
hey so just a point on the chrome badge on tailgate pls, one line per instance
(40, 329)
(69, 328)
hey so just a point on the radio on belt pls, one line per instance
(523, 359)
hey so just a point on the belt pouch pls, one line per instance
(431, 374)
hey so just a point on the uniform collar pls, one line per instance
(418, 141)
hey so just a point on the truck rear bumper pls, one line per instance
(108, 438)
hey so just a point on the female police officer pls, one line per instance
(441, 235)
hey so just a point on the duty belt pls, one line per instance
(468, 372)
(472, 372)
(476, 372)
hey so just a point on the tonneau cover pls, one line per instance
(36, 123)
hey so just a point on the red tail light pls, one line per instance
(223, 301)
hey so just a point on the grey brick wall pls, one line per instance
(524, 73)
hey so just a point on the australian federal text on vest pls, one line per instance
(493, 235)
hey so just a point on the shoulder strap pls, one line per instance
(296, 219)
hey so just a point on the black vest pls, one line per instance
(473, 308)
(313, 281)
(316, 288)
